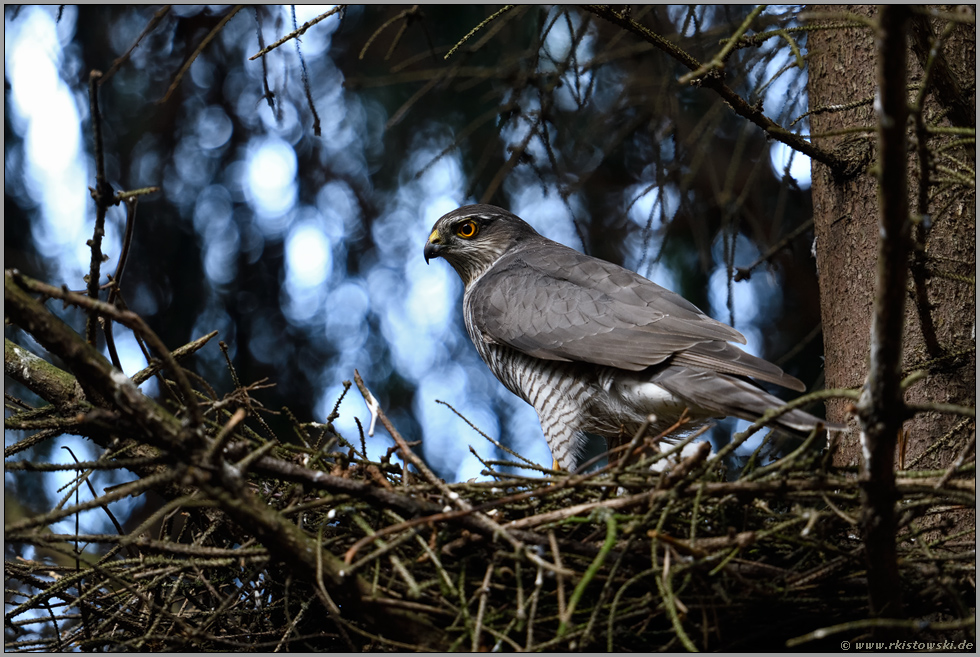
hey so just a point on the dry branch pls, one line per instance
(881, 407)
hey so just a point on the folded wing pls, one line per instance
(552, 302)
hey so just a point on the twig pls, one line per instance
(197, 51)
(881, 407)
(268, 94)
(102, 194)
(744, 273)
(114, 464)
(717, 63)
(958, 461)
(495, 443)
(591, 571)
(553, 544)
(297, 32)
(840, 107)
(214, 451)
(484, 590)
(116, 280)
(324, 595)
(306, 78)
(177, 354)
(671, 603)
(154, 21)
(921, 30)
(954, 409)
(503, 10)
(407, 13)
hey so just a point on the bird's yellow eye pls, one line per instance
(468, 229)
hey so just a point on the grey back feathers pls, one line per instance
(592, 346)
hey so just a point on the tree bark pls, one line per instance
(940, 314)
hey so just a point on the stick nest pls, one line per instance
(249, 540)
(253, 541)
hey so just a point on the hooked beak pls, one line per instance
(432, 246)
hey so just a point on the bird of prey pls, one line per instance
(593, 347)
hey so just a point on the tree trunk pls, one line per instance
(940, 337)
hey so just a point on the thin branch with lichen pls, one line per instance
(298, 32)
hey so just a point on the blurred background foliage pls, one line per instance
(297, 189)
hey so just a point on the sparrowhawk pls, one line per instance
(594, 347)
